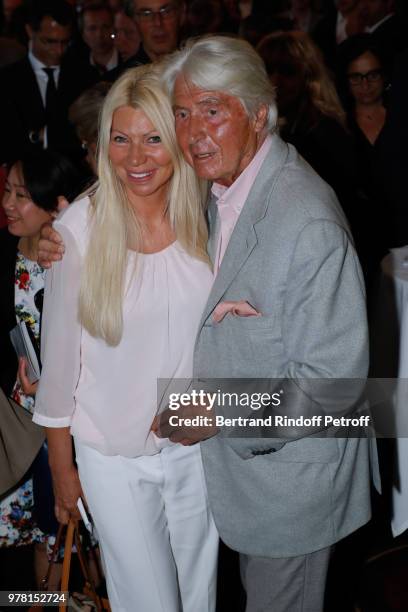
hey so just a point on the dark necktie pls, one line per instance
(50, 94)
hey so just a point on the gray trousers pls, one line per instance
(293, 584)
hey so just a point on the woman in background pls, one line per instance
(84, 115)
(312, 116)
(362, 81)
(313, 120)
(37, 187)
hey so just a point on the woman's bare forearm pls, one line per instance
(65, 479)
(60, 453)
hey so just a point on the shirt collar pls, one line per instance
(112, 63)
(371, 29)
(247, 177)
(37, 65)
(340, 19)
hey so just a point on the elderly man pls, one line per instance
(281, 248)
(282, 252)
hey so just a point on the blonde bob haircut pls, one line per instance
(114, 224)
(227, 64)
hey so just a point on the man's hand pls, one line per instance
(187, 425)
(50, 247)
(67, 490)
(28, 387)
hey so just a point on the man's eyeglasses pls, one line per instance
(356, 78)
(167, 11)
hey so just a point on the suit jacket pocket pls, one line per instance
(306, 450)
(240, 324)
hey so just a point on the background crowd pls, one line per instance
(331, 60)
(340, 68)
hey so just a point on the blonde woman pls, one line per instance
(121, 311)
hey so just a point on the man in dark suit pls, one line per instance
(39, 89)
(383, 25)
(159, 24)
(340, 21)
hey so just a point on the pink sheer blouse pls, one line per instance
(108, 395)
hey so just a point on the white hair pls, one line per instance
(114, 224)
(223, 63)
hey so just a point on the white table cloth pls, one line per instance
(395, 290)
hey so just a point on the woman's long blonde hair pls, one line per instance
(320, 92)
(114, 224)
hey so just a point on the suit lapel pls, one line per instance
(30, 84)
(244, 238)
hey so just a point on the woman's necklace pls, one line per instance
(371, 122)
(373, 114)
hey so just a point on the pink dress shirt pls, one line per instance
(231, 200)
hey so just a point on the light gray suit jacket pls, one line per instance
(291, 256)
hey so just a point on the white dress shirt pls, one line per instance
(42, 82)
(41, 76)
(112, 63)
(371, 29)
(341, 33)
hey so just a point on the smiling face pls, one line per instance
(217, 137)
(138, 156)
(24, 218)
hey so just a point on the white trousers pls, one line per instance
(157, 536)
